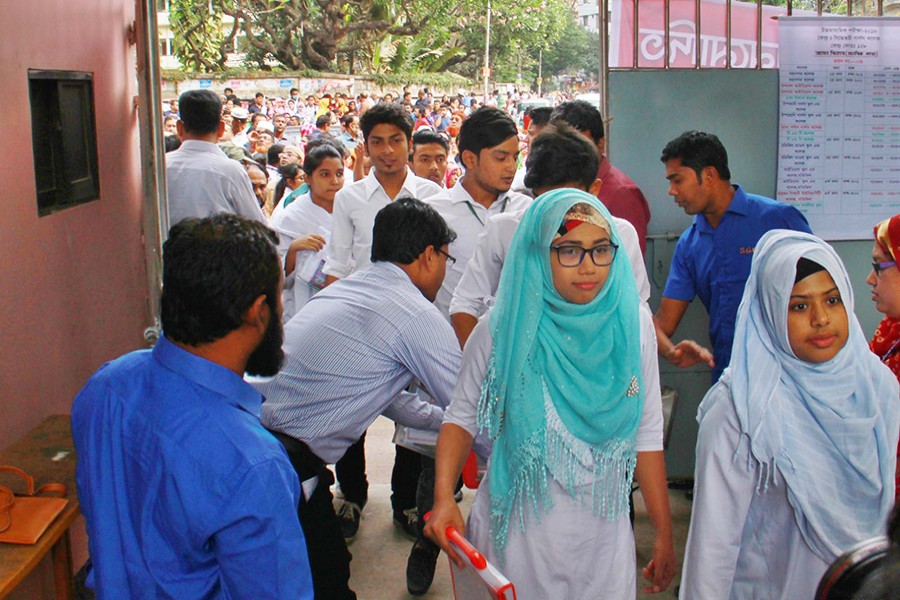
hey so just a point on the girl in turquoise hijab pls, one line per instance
(562, 376)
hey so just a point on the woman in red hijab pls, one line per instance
(885, 282)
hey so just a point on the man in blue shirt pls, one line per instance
(713, 256)
(184, 492)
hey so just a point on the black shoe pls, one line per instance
(349, 515)
(458, 496)
(420, 567)
(408, 521)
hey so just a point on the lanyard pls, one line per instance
(890, 351)
(475, 214)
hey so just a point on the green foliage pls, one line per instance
(199, 37)
(576, 50)
(371, 36)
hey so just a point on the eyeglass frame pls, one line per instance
(878, 267)
(584, 251)
(450, 258)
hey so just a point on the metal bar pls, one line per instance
(880, 8)
(849, 8)
(790, 7)
(697, 22)
(819, 7)
(667, 8)
(603, 24)
(759, 28)
(636, 38)
(727, 34)
(487, 52)
(153, 164)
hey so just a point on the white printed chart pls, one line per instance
(839, 127)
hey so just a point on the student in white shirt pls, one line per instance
(489, 149)
(387, 130)
(429, 156)
(304, 225)
(796, 451)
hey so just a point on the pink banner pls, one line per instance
(683, 34)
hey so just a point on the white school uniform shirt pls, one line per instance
(201, 181)
(302, 217)
(518, 184)
(743, 542)
(355, 207)
(478, 285)
(468, 218)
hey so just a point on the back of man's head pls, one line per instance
(200, 111)
(698, 150)
(581, 115)
(386, 113)
(326, 139)
(323, 122)
(273, 154)
(560, 155)
(485, 128)
(404, 228)
(172, 142)
(540, 115)
(213, 271)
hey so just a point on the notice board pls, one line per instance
(839, 122)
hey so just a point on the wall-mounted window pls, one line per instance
(64, 136)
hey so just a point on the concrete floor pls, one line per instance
(380, 550)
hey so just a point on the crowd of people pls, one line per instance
(441, 264)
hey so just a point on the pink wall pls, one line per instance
(72, 284)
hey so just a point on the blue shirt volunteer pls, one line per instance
(185, 494)
(714, 263)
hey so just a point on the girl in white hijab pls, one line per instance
(797, 444)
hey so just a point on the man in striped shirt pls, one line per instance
(350, 352)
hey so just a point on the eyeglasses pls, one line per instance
(878, 267)
(571, 256)
(450, 259)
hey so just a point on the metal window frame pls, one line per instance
(604, 22)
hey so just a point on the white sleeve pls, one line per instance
(340, 248)
(724, 482)
(482, 275)
(633, 248)
(650, 431)
(463, 407)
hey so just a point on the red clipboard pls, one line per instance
(479, 579)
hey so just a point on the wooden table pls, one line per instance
(47, 454)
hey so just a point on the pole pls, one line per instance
(487, 53)
(153, 164)
(540, 71)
